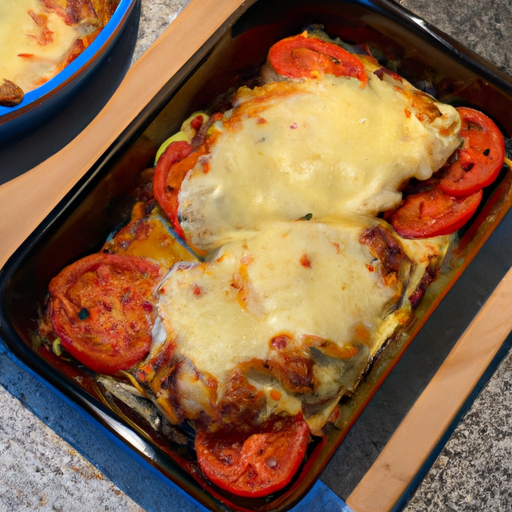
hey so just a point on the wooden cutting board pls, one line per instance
(27, 200)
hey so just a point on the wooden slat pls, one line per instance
(28, 199)
(434, 411)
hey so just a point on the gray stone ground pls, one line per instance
(42, 472)
(156, 16)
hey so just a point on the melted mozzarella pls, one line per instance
(23, 59)
(325, 147)
(303, 279)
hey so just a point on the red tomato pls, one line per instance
(431, 212)
(302, 57)
(254, 465)
(102, 307)
(480, 159)
(168, 178)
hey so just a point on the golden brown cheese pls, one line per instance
(149, 236)
(327, 147)
(305, 288)
(23, 58)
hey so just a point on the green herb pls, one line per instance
(83, 314)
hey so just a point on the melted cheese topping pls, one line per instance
(23, 59)
(281, 294)
(304, 279)
(326, 147)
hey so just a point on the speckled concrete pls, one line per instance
(156, 15)
(40, 471)
(485, 26)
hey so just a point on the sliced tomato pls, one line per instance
(258, 464)
(478, 162)
(303, 57)
(169, 175)
(431, 212)
(102, 308)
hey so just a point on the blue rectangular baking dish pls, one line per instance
(101, 201)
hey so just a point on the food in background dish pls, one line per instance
(38, 38)
(318, 207)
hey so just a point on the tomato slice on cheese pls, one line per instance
(430, 212)
(102, 307)
(480, 159)
(304, 57)
(258, 464)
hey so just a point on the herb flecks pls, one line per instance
(83, 314)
